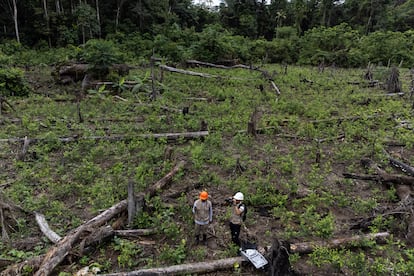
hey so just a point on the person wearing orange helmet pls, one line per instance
(203, 215)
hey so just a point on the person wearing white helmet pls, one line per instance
(236, 218)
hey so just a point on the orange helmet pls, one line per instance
(203, 195)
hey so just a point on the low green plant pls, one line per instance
(314, 224)
(13, 82)
(173, 254)
(128, 252)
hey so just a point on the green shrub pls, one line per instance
(13, 83)
(100, 55)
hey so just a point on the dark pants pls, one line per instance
(235, 232)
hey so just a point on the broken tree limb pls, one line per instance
(407, 169)
(275, 87)
(308, 247)
(185, 72)
(135, 232)
(160, 184)
(44, 227)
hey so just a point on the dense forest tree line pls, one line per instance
(345, 33)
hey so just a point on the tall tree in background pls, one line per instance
(299, 9)
(16, 26)
(119, 5)
(326, 7)
(58, 6)
(86, 20)
(98, 18)
(47, 20)
(11, 6)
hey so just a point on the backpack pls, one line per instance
(244, 214)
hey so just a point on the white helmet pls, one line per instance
(238, 196)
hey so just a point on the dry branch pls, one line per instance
(407, 169)
(135, 232)
(185, 72)
(160, 184)
(44, 227)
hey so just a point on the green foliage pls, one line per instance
(339, 260)
(313, 223)
(128, 252)
(275, 51)
(173, 254)
(100, 55)
(13, 83)
(217, 44)
(388, 48)
(87, 22)
(328, 45)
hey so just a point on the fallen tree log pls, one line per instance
(168, 136)
(308, 247)
(201, 267)
(75, 72)
(212, 266)
(55, 255)
(133, 233)
(383, 177)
